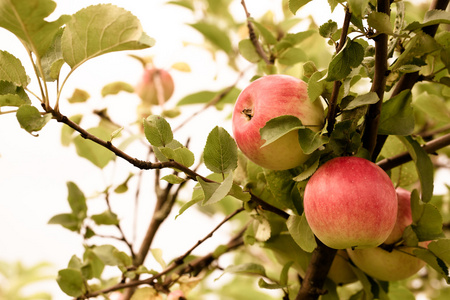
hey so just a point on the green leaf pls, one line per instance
(292, 56)
(181, 155)
(316, 86)
(12, 69)
(26, 19)
(281, 187)
(101, 29)
(429, 224)
(434, 106)
(173, 179)
(441, 248)
(205, 97)
(106, 218)
(213, 191)
(12, 95)
(111, 256)
(278, 127)
(52, 61)
(358, 7)
(433, 261)
(342, 63)
(397, 115)
(269, 38)
(432, 17)
(220, 153)
(309, 171)
(310, 141)
(270, 286)
(77, 200)
(418, 46)
(284, 275)
(361, 100)
(68, 221)
(116, 87)
(380, 21)
(423, 164)
(301, 232)
(247, 268)
(295, 5)
(248, 51)
(71, 282)
(327, 29)
(31, 119)
(215, 35)
(93, 266)
(292, 39)
(157, 131)
(158, 256)
(262, 228)
(96, 154)
(79, 96)
(123, 187)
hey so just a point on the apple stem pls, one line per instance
(248, 112)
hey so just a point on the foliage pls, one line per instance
(383, 75)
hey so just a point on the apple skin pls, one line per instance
(147, 88)
(350, 202)
(266, 98)
(404, 216)
(381, 264)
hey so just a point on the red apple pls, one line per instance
(156, 86)
(404, 217)
(381, 264)
(350, 202)
(266, 98)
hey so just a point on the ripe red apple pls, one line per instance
(156, 86)
(404, 217)
(266, 98)
(350, 202)
(381, 264)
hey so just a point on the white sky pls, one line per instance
(34, 171)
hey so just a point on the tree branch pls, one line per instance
(253, 38)
(369, 138)
(198, 263)
(332, 104)
(400, 159)
(316, 273)
(408, 80)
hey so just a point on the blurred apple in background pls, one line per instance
(156, 86)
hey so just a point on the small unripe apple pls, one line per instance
(395, 264)
(404, 216)
(340, 271)
(398, 264)
(350, 202)
(266, 98)
(156, 86)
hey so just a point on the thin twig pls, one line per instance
(372, 119)
(201, 262)
(253, 38)
(402, 158)
(332, 105)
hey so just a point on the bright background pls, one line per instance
(34, 170)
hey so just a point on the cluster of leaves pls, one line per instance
(273, 228)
